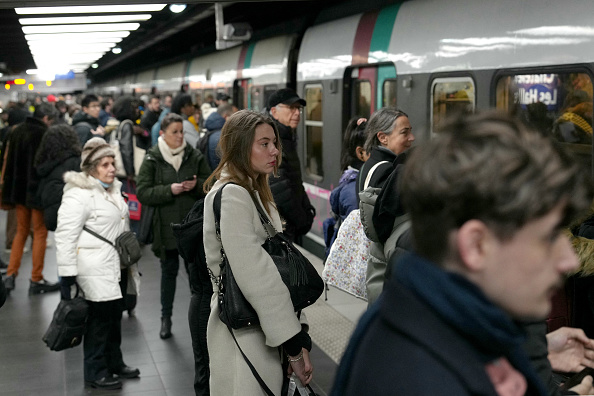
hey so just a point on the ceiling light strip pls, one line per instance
(85, 19)
(90, 9)
(80, 28)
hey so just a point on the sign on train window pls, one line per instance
(313, 131)
(450, 96)
(389, 93)
(362, 98)
(559, 105)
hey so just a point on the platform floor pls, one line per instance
(28, 367)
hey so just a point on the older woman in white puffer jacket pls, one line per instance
(92, 198)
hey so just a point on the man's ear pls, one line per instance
(273, 111)
(473, 241)
(382, 137)
(161, 133)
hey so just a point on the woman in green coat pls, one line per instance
(170, 180)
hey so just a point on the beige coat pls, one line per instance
(242, 235)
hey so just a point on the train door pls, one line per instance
(240, 93)
(371, 88)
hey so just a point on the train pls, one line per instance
(429, 58)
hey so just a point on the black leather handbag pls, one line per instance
(299, 275)
(68, 324)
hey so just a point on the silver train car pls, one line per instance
(427, 57)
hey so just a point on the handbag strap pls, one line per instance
(264, 219)
(98, 236)
(253, 369)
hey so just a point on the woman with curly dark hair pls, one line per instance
(58, 153)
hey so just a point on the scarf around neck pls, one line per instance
(465, 307)
(173, 157)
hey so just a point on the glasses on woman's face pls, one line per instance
(292, 109)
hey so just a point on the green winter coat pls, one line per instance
(153, 188)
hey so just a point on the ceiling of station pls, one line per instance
(167, 37)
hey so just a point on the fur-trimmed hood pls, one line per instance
(584, 249)
(82, 180)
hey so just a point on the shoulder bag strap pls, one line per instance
(370, 173)
(97, 235)
(270, 230)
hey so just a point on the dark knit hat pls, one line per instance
(94, 149)
(284, 96)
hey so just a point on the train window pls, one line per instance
(362, 98)
(450, 96)
(313, 131)
(389, 93)
(256, 98)
(208, 95)
(559, 105)
(268, 91)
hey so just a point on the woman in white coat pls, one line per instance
(92, 198)
(250, 150)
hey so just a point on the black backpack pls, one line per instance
(202, 144)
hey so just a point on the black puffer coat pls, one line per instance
(52, 183)
(83, 124)
(289, 195)
(20, 177)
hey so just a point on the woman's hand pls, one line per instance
(190, 184)
(177, 188)
(301, 366)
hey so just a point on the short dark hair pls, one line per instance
(45, 109)
(170, 119)
(489, 167)
(88, 99)
(180, 101)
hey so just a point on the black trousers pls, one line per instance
(102, 340)
(198, 314)
(169, 269)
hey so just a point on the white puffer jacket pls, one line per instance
(94, 262)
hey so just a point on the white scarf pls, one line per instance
(171, 156)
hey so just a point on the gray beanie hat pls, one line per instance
(94, 149)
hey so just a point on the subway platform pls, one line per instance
(28, 367)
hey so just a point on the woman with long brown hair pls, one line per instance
(250, 151)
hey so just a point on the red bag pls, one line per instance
(134, 205)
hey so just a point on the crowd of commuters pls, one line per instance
(459, 310)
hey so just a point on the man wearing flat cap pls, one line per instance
(285, 107)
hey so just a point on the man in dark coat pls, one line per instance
(488, 200)
(21, 183)
(151, 114)
(285, 107)
(86, 122)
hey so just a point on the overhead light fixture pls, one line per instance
(90, 9)
(85, 19)
(51, 50)
(90, 37)
(116, 50)
(94, 65)
(177, 8)
(102, 27)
